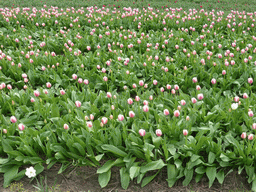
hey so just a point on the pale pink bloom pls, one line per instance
(159, 132)
(243, 135)
(43, 68)
(62, 92)
(254, 126)
(187, 118)
(104, 120)
(173, 91)
(176, 87)
(120, 117)
(89, 124)
(134, 85)
(145, 102)
(9, 87)
(224, 72)
(146, 86)
(21, 127)
(131, 114)
(236, 99)
(32, 100)
(145, 108)
(65, 126)
(198, 87)
(78, 104)
(150, 97)
(141, 82)
(183, 102)
(142, 132)
(109, 95)
(13, 119)
(105, 78)
(250, 113)
(193, 100)
(194, 80)
(168, 86)
(130, 101)
(36, 93)
(213, 81)
(200, 96)
(48, 85)
(176, 113)
(250, 137)
(166, 112)
(155, 82)
(250, 80)
(185, 132)
(245, 96)
(162, 89)
(86, 82)
(91, 116)
(137, 98)
(74, 76)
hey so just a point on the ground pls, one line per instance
(86, 179)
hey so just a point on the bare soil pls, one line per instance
(86, 179)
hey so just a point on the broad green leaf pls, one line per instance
(10, 175)
(79, 148)
(220, 176)
(200, 170)
(107, 166)
(104, 178)
(188, 176)
(211, 157)
(114, 149)
(125, 178)
(134, 171)
(211, 174)
(146, 180)
(39, 168)
(153, 165)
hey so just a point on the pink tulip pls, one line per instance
(236, 99)
(250, 113)
(193, 100)
(176, 113)
(176, 87)
(91, 116)
(250, 137)
(21, 127)
(159, 132)
(145, 108)
(166, 112)
(65, 126)
(86, 82)
(213, 81)
(245, 96)
(150, 97)
(142, 132)
(194, 80)
(109, 95)
(120, 117)
(13, 119)
(250, 80)
(36, 93)
(104, 120)
(145, 102)
(62, 92)
(200, 96)
(48, 85)
(89, 124)
(105, 78)
(131, 114)
(243, 135)
(185, 132)
(74, 76)
(155, 82)
(141, 82)
(130, 101)
(168, 86)
(78, 104)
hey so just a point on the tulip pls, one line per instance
(200, 96)
(104, 120)
(166, 112)
(21, 127)
(13, 119)
(176, 113)
(159, 132)
(142, 132)
(65, 126)
(120, 117)
(250, 137)
(36, 93)
(78, 104)
(185, 132)
(243, 135)
(145, 108)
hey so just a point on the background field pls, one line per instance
(85, 178)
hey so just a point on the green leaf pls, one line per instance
(108, 165)
(254, 185)
(134, 171)
(6, 146)
(198, 177)
(39, 169)
(200, 170)
(79, 148)
(113, 149)
(211, 157)
(98, 157)
(104, 178)
(172, 174)
(153, 165)
(211, 174)
(55, 110)
(188, 176)
(10, 175)
(220, 176)
(146, 180)
(125, 178)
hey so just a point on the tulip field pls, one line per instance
(145, 89)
